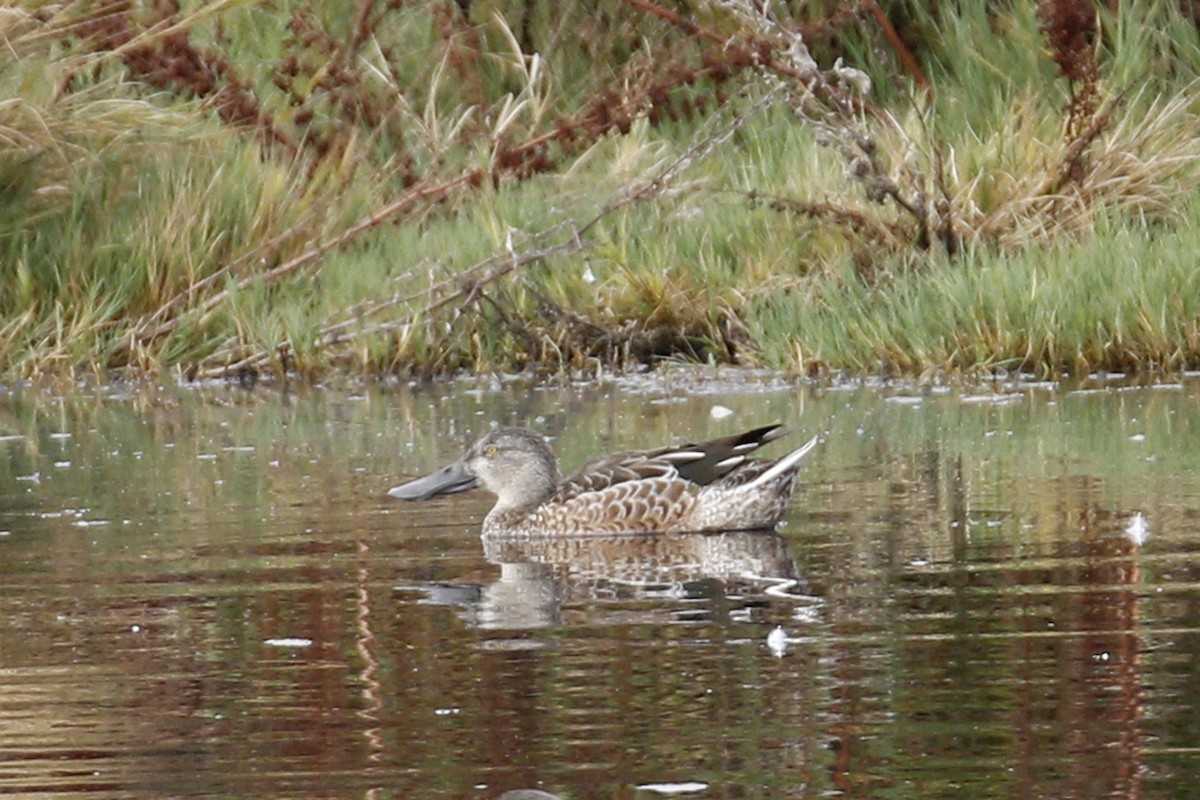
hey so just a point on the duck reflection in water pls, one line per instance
(540, 575)
(710, 486)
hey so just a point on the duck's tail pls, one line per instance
(755, 496)
(783, 465)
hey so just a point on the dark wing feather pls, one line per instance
(700, 463)
(725, 454)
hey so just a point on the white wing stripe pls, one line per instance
(782, 465)
(685, 456)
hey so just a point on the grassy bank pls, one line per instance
(230, 189)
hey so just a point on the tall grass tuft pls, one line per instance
(1124, 299)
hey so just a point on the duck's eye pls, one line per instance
(491, 451)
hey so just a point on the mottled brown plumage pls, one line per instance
(708, 486)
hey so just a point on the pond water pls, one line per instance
(975, 594)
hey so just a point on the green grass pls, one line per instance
(143, 227)
(1125, 299)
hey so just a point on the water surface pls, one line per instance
(977, 593)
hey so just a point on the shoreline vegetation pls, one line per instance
(236, 189)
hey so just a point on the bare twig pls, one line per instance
(907, 59)
(854, 219)
(1071, 165)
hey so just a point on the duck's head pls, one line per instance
(514, 464)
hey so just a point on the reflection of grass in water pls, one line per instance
(145, 229)
(1088, 432)
(948, 480)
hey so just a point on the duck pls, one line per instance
(703, 487)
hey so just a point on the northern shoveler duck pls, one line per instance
(710, 486)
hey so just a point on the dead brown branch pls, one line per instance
(866, 225)
(907, 59)
(467, 287)
(1072, 167)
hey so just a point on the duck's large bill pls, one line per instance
(446, 480)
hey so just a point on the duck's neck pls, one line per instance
(521, 497)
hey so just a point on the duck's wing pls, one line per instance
(643, 504)
(699, 464)
(607, 472)
(767, 469)
(710, 461)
